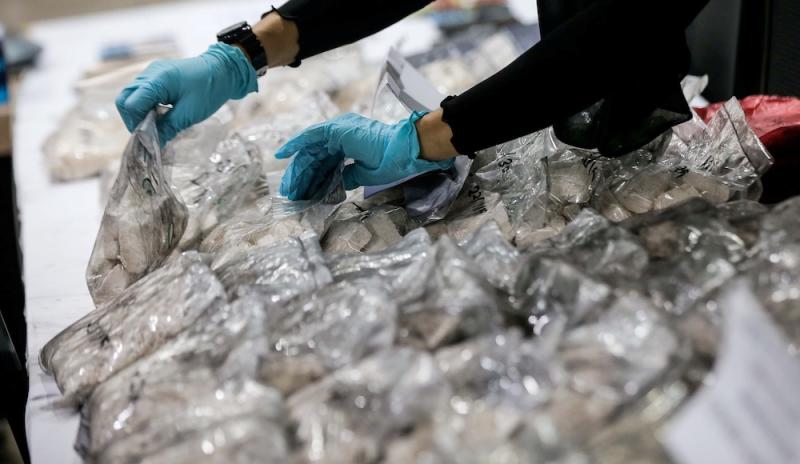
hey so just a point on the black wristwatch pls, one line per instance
(242, 34)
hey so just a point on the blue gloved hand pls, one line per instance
(382, 153)
(196, 87)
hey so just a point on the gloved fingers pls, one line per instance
(138, 102)
(313, 136)
(323, 174)
(129, 121)
(298, 176)
(289, 181)
(356, 175)
(359, 138)
(307, 175)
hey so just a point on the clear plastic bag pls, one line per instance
(396, 266)
(252, 226)
(354, 229)
(212, 182)
(441, 294)
(698, 254)
(156, 398)
(317, 209)
(497, 380)
(348, 416)
(717, 162)
(448, 300)
(271, 131)
(774, 271)
(87, 140)
(272, 218)
(332, 328)
(518, 173)
(134, 323)
(499, 260)
(278, 272)
(473, 208)
(143, 221)
(91, 135)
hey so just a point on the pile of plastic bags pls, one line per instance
(561, 312)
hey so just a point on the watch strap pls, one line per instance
(243, 35)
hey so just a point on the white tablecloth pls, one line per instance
(60, 221)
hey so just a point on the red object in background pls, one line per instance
(776, 121)
(456, 4)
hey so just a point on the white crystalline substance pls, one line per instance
(527, 237)
(571, 183)
(251, 227)
(609, 207)
(675, 196)
(638, 194)
(714, 191)
(349, 236)
(461, 228)
(383, 228)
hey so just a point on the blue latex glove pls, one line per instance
(196, 87)
(382, 153)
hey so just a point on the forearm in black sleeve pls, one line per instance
(327, 24)
(574, 66)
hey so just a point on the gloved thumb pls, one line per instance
(170, 124)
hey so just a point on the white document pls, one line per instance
(750, 413)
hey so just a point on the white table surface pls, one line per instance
(60, 221)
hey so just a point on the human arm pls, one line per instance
(197, 87)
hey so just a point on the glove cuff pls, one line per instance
(243, 76)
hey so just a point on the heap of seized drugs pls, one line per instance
(563, 298)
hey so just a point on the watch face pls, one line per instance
(232, 30)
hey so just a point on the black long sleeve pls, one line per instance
(327, 24)
(616, 62)
(629, 54)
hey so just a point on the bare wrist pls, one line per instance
(279, 37)
(435, 137)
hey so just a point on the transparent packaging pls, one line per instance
(332, 328)
(353, 229)
(279, 272)
(497, 380)
(158, 396)
(132, 324)
(143, 221)
(212, 179)
(348, 416)
(499, 260)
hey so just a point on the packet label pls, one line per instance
(750, 411)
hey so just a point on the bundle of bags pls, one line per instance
(562, 310)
